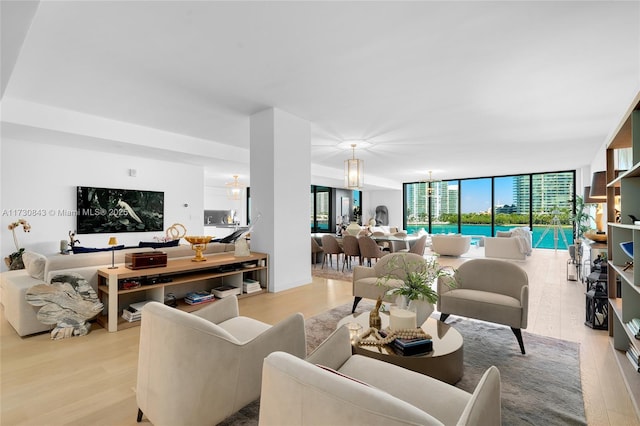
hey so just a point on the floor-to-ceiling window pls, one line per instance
(552, 207)
(475, 206)
(321, 206)
(483, 206)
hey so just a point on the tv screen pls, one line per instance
(107, 210)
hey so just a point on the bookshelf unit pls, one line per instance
(184, 275)
(624, 300)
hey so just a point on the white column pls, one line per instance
(280, 154)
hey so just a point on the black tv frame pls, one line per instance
(112, 210)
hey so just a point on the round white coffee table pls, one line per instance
(444, 363)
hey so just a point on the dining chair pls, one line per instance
(419, 245)
(398, 245)
(330, 246)
(315, 250)
(369, 249)
(351, 249)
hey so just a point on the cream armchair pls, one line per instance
(199, 368)
(365, 278)
(333, 387)
(450, 245)
(490, 290)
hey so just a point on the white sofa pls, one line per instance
(514, 244)
(14, 284)
(334, 387)
(450, 245)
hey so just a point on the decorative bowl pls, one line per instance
(199, 244)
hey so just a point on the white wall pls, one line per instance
(42, 179)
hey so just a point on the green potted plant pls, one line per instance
(581, 219)
(418, 277)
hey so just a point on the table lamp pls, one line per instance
(113, 241)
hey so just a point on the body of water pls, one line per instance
(543, 236)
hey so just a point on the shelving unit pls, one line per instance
(624, 303)
(184, 275)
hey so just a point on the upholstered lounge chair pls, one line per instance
(334, 387)
(490, 290)
(199, 368)
(450, 245)
(365, 278)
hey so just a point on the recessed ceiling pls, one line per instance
(464, 89)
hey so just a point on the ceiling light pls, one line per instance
(234, 189)
(429, 187)
(354, 171)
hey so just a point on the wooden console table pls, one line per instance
(179, 277)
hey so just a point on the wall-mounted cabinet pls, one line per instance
(623, 282)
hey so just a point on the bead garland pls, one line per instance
(391, 335)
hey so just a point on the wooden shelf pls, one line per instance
(627, 306)
(185, 276)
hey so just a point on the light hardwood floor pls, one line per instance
(90, 380)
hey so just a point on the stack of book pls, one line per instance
(251, 286)
(226, 290)
(133, 312)
(634, 357)
(412, 346)
(197, 297)
(634, 327)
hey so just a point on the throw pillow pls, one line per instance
(77, 250)
(503, 234)
(155, 244)
(34, 263)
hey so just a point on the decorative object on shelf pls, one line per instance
(627, 248)
(175, 232)
(595, 236)
(242, 248)
(597, 308)
(69, 302)
(374, 316)
(354, 170)
(418, 279)
(14, 260)
(234, 189)
(198, 244)
(113, 241)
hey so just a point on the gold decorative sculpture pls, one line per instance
(173, 233)
(199, 244)
(374, 316)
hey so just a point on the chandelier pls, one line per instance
(353, 171)
(234, 189)
(430, 187)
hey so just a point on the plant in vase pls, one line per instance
(14, 260)
(418, 278)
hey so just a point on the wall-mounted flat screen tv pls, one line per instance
(107, 210)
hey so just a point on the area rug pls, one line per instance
(542, 387)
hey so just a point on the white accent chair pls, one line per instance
(200, 368)
(489, 290)
(450, 245)
(365, 278)
(334, 387)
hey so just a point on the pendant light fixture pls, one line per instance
(429, 188)
(234, 189)
(354, 171)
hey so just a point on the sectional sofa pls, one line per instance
(40, 269)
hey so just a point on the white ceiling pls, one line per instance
(465, 89)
